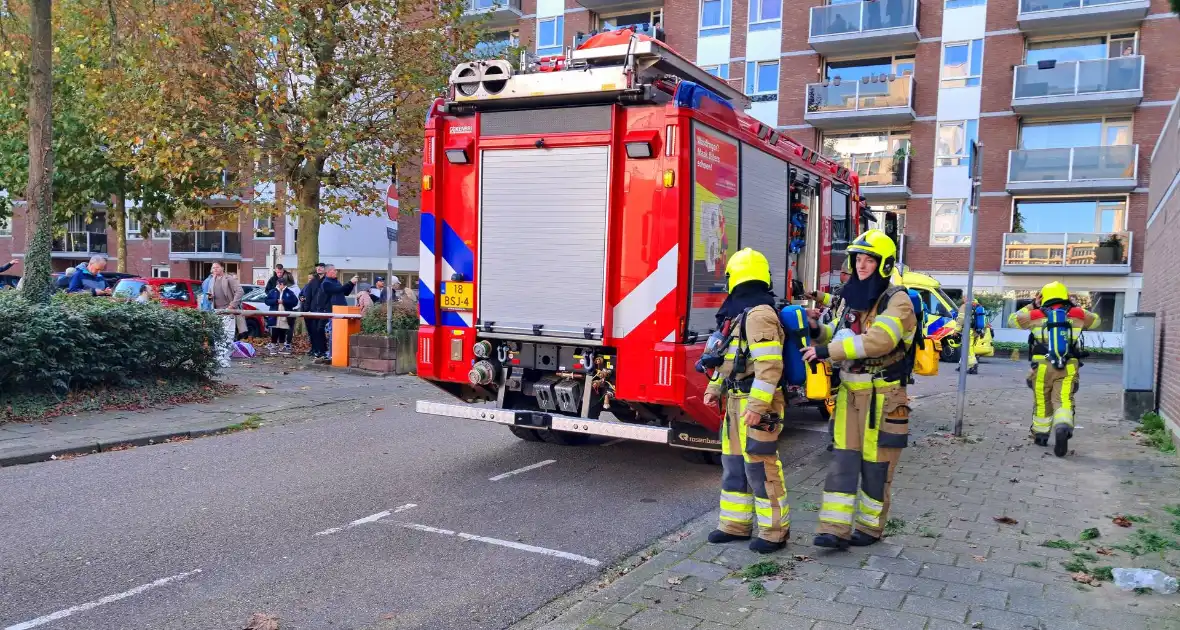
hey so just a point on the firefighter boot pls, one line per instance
(861, 539)
(718, 537)
(1061, 435)
(830, 541)
(761, 545)
(1041, 439)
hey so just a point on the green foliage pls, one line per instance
(1060, 544)
(1155, 433)
(1086, 555)
(992, 303)
(31, 407)
(1089, 534)
(761, 569)
(1106, 574)
(78, 342)
(405, 317)
(1073, 565)
(1174, 510)
(895, 526)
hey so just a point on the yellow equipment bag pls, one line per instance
(925, 358)
(818, 385)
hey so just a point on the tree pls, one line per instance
(97, 160)
(321, 95)
(37, 278)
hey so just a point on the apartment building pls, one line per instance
(1161, 277)
(1067, 97)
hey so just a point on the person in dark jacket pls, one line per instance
(6, 267)
(88, 278)
(280, 298)
(332, 293)
(309, 299)
(280, 274)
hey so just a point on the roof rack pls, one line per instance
(605, 66)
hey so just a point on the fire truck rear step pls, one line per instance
(544, 420)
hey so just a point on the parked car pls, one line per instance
(112, 277)
(183, 293)
(8, 282)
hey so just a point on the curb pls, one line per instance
(107, 446)
(353, 371)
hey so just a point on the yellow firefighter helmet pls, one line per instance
(747, 265)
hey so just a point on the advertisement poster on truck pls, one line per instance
(715, 220)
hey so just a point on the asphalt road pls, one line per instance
(233, 521)
(203, 534)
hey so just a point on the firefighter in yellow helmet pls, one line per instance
(747, 382)
(872, 409)
(1055, 325)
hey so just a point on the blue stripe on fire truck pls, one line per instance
(426, 279)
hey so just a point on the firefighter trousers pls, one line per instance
(969, 342)
(871, 427)
(1053, 394)
(752, 482)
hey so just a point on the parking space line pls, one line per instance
(503, 543)
(372, 518)
(520, 470)
(109, 599)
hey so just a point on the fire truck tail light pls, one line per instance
(457, 156)
(669, 178)
(427, 182)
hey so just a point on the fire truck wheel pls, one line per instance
(708, 458)
(565, 439)
(528, 435)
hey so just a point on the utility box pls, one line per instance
(1138, 365)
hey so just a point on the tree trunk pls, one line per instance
(119, 214)
(307, 245)
(38, 282)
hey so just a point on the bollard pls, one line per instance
(342, 329)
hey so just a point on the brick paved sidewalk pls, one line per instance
(953, 566)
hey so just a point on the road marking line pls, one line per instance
(504, 543)
(372, 518)
(534, 549)
(520, 470)
(614, 441)
(109, 599)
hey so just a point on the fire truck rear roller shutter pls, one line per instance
(543, 239)
(544, 121)
(764, 212)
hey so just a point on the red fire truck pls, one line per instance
(576, 221)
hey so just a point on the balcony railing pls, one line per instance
(206, 243)
(1094, 77)
(863, 17)
(1074, 165)
(879, 172)
(480, 6)
(1067, 252)
(497, 13)
(83, 243)
(1063, 16)
(1038, 6)
(860, 96)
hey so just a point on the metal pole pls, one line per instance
(389, 291)
(965, 333)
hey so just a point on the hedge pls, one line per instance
(77, 342)
(405, 317)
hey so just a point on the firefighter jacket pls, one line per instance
(880, 339)
(1033, 320)
(758, 344)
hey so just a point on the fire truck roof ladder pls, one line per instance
(605, 68)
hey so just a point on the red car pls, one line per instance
(181, 293)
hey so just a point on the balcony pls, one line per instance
(613, 6)
(1074, 170)
(1048, 17)
(883, 178)
(495, 13)
(1069, 87)
(864, 27)
(79, 245)
(1087, 253)
(206, 245)
(879, 101)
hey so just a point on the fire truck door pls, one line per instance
(543, 231)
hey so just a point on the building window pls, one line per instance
(962, 64)
(613, 22)
(766, 13)
(761, 77)
(715, 17)
(134, 226)
(954, 142)
(1101, 132)
(5, 227)
(880, 158)
(497, 44)
(719, 71)
(264, 227)
(550, 35)
(161, 271)
(1070, 215)
(950, 222)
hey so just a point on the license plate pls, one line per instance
(458, 296)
